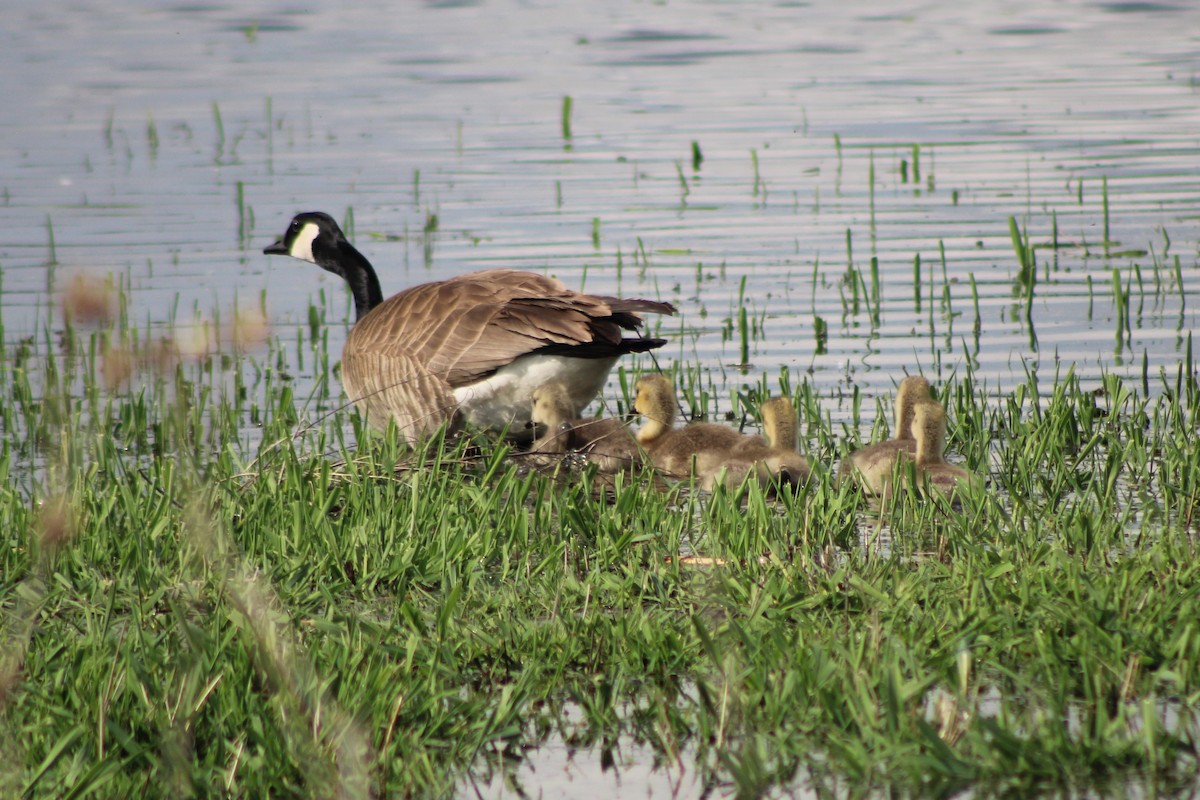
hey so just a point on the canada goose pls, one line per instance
(772, 461)
(608, 443)
(872, 465)
(474, 346)
(929, 430)
(673, 449)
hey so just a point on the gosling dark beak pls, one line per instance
(277, 249)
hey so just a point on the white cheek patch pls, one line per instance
(302, 244)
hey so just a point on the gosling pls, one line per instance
(717, 454)
(774, 463)
(674, 450)
(872, 466)
(607, 443)
(929, 431)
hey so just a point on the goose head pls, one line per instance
(304, 229)
(315, 237)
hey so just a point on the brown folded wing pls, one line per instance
(461, 330)
(397, 386)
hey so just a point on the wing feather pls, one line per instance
(396, 385)
(462, 329)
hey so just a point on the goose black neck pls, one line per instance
(358, 273)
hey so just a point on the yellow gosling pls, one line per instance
(607, 443)
(779, 427)
(674, 450)
(929, 430)
(717, 454)
(773, 462)
(872, 466)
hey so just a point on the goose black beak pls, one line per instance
(277, 249)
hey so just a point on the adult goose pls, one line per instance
(473, 347)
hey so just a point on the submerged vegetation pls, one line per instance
(316, 610)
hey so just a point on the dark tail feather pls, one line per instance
(641, 345)
(626, 304)
(625, 310)
(602, 349)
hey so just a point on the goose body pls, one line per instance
(607, 443)
(872, 466)
(473, 347)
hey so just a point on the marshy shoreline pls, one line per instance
(189, 614)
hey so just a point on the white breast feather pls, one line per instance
(503, 398)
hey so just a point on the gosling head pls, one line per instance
(913, 390)
(779, 422)
(552, 405)
(929, 430)
(655, 399)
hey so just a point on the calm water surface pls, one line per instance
(129, 129)
(831, 133)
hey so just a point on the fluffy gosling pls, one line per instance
(872, 466)
(607, 443)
